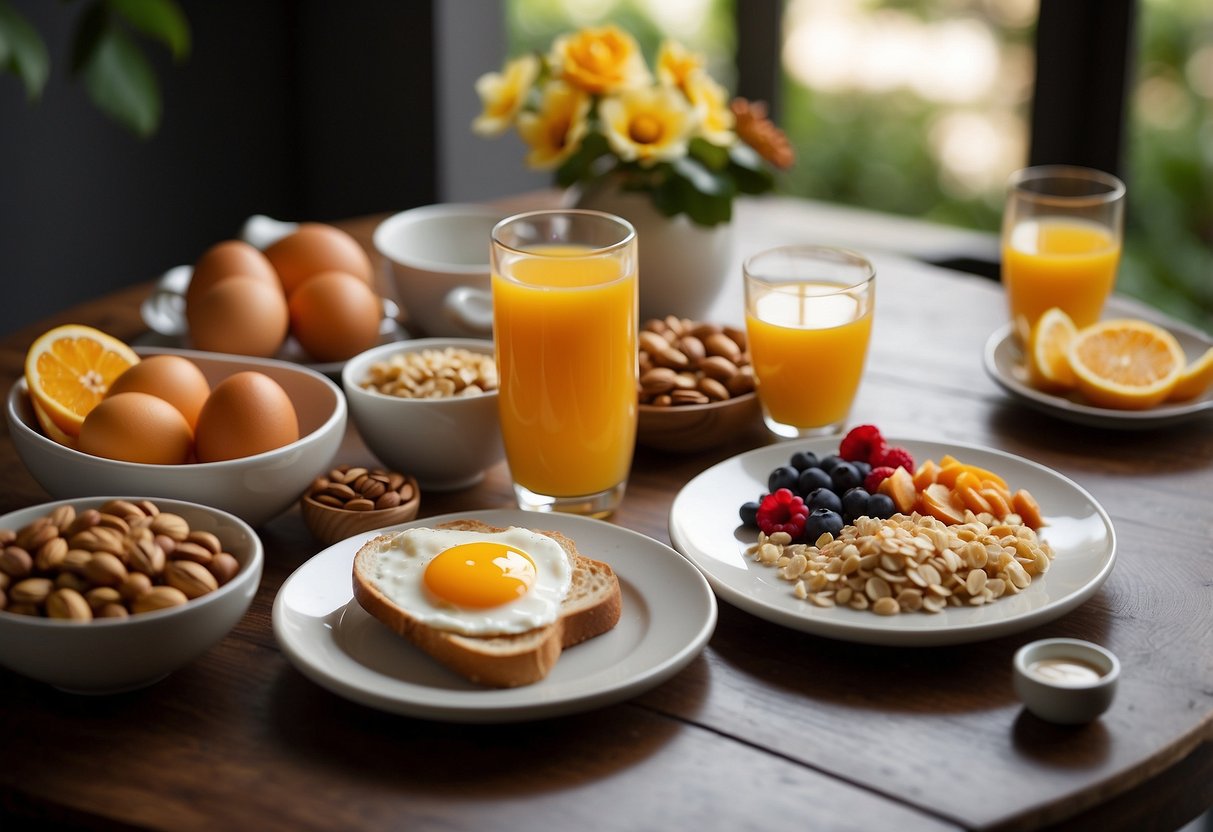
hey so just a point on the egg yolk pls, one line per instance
(480, 575)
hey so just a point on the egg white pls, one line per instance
(399, 572)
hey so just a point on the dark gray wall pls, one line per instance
(300, 110)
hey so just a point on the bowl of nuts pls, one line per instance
(429, 407)
(104, 594)
(351, 499)
(696, 385)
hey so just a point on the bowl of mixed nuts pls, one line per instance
(106, 594)
(428, 407)
(351, 499)
(696, 385)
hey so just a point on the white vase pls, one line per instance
(683, 266)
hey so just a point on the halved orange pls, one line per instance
(1125, 364)
(1196, 378)
(1048, 367)
(69, 369)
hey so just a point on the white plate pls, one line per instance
(704, 526)
(668, 615)
(1004, 362)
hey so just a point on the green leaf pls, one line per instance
(161, 20)
(120, 81)
(700, 178)
(713, 156)
(577, 167)
(748, 170)
(22, 51)
(93, 23)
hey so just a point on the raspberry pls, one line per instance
(873, 480)
(782, 511)
(861, 443)
(896, 457)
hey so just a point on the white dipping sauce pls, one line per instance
(1065, 671)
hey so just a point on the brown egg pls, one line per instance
(316, 248)
(241, 315)
(335, 316)
(225, 259)
(247, 413)
(173, 378)
(136, 427)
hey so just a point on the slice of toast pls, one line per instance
(592, 607)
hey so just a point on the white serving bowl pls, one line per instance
(445, 443)
(255, 488)
(1059, 699)
(113, 655)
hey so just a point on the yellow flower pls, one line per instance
(676, 64)
(711, 103)
(503, 94)
(555, 130)
(599, 61)
(649, 124)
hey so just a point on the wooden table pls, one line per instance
(767, 729)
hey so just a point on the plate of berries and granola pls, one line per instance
(894, 541)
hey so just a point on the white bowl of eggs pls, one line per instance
(244, 435)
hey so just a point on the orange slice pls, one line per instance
(69, 369)
(1125, 364)
(1048, 367)
(1194, 380)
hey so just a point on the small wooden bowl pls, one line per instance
(696, 427)
(330, 525)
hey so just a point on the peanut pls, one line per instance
(683, 362)
(101, 563)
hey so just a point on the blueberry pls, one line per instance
(828, 462)
(880, 506)
(855, 503)
(820, 521)
(784, 476)
(824, 498)
(812, 479)
(749, 513)
(802, 460)
(845, 476)
(863, 468)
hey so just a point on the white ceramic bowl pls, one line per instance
(445, 443)
(254, 488)
(1058, 693)
(437, 258)
(112, 655)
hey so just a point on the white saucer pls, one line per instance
(668, 616)
(1004, 363)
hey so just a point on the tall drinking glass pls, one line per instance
(808, 322)
(1061, 237)
(565, 326)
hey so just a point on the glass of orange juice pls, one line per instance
(808, 323)
(565, 325)
(1061, 237)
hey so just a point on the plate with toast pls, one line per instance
(494, 616)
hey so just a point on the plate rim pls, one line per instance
(464, 708)
(1079, 412)
(863, 632)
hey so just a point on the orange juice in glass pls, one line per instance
(1061, 241)
(565, 326)
(808, 323)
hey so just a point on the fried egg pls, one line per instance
(475, 583)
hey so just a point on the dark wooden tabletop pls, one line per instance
(767, 729)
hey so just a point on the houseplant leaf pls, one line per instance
(22, 51)
(161, 20)
(118, 77)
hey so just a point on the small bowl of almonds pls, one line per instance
(104, 594)
(696, 385)
(351, 499)
(429, 407)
